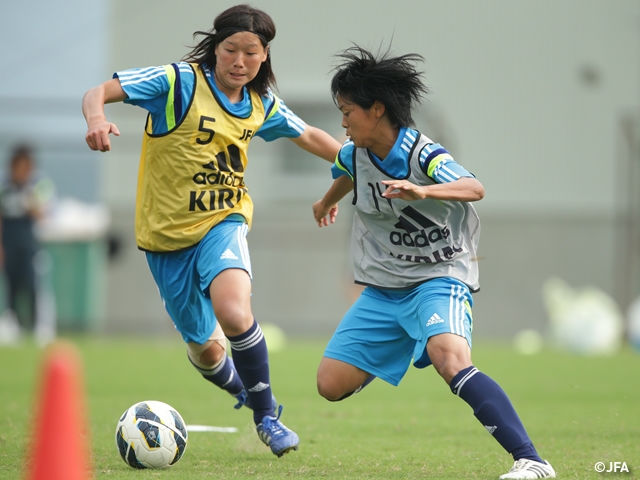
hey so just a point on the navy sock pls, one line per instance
(224, 376)
(494, 410)
(251, 358)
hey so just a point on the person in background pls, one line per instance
(20, 208)
(414, 241)
(193, 209)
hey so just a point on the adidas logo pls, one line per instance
(435, 318)
(228, 255)
(491, 429)
(259, 387)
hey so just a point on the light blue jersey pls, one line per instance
(150, 87)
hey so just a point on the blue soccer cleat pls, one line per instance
(275, 435)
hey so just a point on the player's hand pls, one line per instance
(403, 189)
(323, 214)
(97, 136)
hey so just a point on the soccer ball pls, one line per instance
(151, 434)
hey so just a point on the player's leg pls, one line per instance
(338, 380)
(449, 350)
(213, 363)
(225, 272)
(368, 343)
(230, 293)
(490, 404)
(190, 310)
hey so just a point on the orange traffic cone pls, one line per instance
(59, 447)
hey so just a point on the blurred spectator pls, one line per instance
(20, 207)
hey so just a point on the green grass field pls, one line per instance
(578, 411)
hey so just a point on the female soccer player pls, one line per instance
(415, 234)
(193, 210)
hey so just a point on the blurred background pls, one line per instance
(540, 99)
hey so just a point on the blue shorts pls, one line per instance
(183, 277)
(384, 330)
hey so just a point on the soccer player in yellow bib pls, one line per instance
(193, 210)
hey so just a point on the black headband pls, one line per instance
(233, 30)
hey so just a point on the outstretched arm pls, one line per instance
(93, 102)
(465, 189)
(328, 205)
(318, 142)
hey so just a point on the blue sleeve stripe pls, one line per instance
(449, 171)
(292, 119)
(139, 72)
(134, 79)
(443, 175)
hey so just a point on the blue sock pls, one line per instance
(494, 410)
(224, 376)
(251, 358)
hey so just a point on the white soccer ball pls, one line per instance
(151, 434)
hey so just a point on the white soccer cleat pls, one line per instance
(525, 468)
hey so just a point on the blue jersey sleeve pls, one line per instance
(149, 88)
(440, 166)
(280, 121)
(344, 161)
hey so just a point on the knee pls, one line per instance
(209, 357)
(231, 311)
(449, 368)
(328, 388)
(449, 361)
(234, 317)
(213, 355)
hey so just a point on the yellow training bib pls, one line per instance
(192, 177)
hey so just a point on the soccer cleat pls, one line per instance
(243, 401)
(525, 468)
(276, 436)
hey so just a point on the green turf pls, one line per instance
(578, 411)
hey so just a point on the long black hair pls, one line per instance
(241, 18)
(364, 78)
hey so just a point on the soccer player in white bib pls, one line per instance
(193, 209)
(414, 240)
